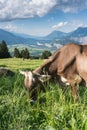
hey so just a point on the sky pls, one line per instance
(41, 17)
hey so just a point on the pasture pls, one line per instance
(54, 110)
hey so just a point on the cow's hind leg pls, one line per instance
(74, 86)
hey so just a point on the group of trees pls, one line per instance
(24, 53)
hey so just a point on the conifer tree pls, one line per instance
(17, 53)
(4, 53)
(25, 53)
(45, 54)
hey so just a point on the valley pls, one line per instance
(37, 44)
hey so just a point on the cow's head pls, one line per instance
(32, 79)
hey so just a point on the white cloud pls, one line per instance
(48, 45)
(9, 27)
(39, 44)
(76, 23)
(71, 5)
(59, 25)
(19, 9)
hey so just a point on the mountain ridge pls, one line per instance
(18, 38)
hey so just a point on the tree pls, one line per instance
(17, 53)
(4, 53)
(46, 54)
(25, 53)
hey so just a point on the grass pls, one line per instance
(16, 63)
(54, 110)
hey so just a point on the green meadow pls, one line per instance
(53, 110)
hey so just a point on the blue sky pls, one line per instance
(40, 17)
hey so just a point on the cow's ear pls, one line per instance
(21, 72)
(44, 78)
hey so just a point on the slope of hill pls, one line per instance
(10, 38)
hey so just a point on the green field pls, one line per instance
(54, 110)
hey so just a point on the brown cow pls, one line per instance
(67, 64)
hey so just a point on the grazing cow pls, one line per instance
(68, 65)
(34, 83)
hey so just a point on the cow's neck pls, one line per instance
(38, 70)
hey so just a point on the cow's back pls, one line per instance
(67, 56)
(62, 58)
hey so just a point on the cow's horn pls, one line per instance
(21, 72)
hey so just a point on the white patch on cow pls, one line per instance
(29, 74)
(67, 83)
(28, 78)
(44, 78)
(64, 80)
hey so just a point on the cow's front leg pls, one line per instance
(74, 93)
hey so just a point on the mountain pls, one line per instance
(79, 32)
(12, 38)
(16, 38)
(55, 35)
(26, 35)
